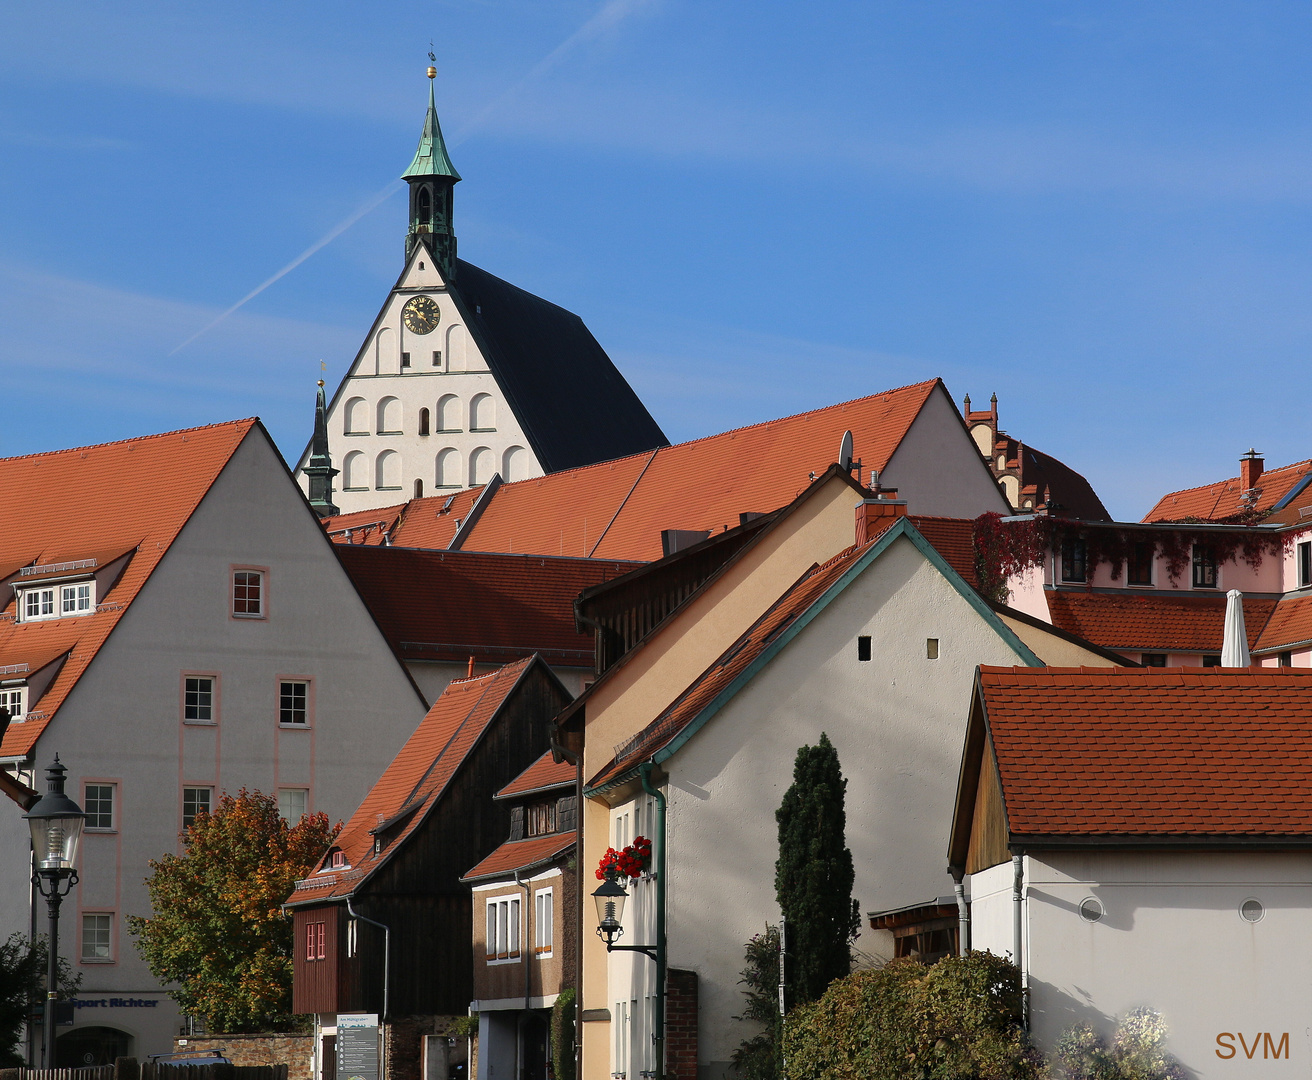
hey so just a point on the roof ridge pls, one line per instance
(1213, 483)
(489, 674)
(727, 431)
(132, 439)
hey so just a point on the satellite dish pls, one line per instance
(845, 451)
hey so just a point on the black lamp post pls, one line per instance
(610, 897)
(56, 823)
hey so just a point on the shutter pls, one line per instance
(517, 823)
(567, 814)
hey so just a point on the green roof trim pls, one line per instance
(431, 159)
(903, 528)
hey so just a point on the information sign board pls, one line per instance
(357, 1046)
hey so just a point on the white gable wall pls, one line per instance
(898, 723)
(123, 724)
(365, 425)
(937, 467)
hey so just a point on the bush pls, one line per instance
(1137, 1052)
(957, 1020)
(562, 1035)
(757, 1058)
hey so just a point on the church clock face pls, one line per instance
(421, 315)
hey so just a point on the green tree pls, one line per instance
(757, 1058)
(217, 931)
(814, 875)
(23, 989)
(1138, 1051)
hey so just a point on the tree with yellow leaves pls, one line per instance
(217, 932)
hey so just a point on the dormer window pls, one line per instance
(38, 602)
(339, 860)
(14, 699)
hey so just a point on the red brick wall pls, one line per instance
(681, 1024)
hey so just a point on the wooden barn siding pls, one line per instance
(418, 894)
(988, 831)
(314, 983)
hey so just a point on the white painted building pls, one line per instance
(463, 376)
(1143, 838)
(221, 645)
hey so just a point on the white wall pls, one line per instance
(122, 722)
(898, 723)
(1171, 938)
(937, 467)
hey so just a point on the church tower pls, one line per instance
(320, 472)
(432, 179)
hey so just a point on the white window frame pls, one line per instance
(108, 945)
(209, 802)
(620, 1061)
(77, 598)
(55, 600)
(304, 723)
(213, 692)
(285, 799)
(261, 601)
(14, 698)
(1303, 563)
(503, 930)
(113, 804)
(544, 914)
(37, 603)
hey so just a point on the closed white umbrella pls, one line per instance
(1234, 639)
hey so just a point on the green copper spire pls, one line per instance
(319, 471)
(432, 177)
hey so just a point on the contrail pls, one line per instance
(322, 242)
(608, 16)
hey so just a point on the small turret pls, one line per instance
(319, 471)
(432, 179)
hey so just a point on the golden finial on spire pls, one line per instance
(432, 60)
(320, 384)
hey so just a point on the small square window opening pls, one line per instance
(863, 647)
(405, 359)
(293, 698)
(1211, 661)
(96, 935)
(195, 801)
(99, 806)
(437, 358)
(248, 593)
(931, 648)
(1204, 567)
(293, 803)
(1153, 659)
(198, 698)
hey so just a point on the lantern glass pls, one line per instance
(55, 841)
(610, 897)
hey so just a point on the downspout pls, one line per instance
(387, 971)
(658, 1021)
(1017, 929)
(963, 909)
(523, 1017)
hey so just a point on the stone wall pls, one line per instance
(295, 1051)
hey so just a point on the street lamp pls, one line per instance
(56, 823)
(610, 897)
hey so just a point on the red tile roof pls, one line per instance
(954, 539)
(544, 773)
(1152, 751)
(618, 509)
(522, 855)
(794, 603)
(1290, 624)
(1152, 621)
(450, 605)
(364, 526)
(416, 778)
(133, 495)
(1222, 501)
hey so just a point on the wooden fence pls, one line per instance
(130, 1069)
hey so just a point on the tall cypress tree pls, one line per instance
(813, 877)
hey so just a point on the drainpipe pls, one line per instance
(963, 909)
(658, 1022)
(1017, 925)
(387, 971)
(523, 1017)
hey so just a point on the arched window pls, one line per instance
(387, 471)
(386, 355)
(482, 413)
(389, 416)
(423, 421)
(357, 416)
(455, 348)
(448, 469)
(448, 413)
(424, 206)
(514, 463)
(481, 466)
(419, 488)
(355, 472)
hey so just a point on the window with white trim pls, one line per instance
(293, 803)
(198, 699)
(248, 594)
(544, 922)
(97, 937)
(195, 801)
(56, 601)
(620, 1060)
(503, 928)
(14, 698)
(98, 803)
(294, 702)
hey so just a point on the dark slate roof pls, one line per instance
(1067, 488)
(572, 402)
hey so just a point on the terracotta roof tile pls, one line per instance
(617, 509)
(133, 495)
(364, 526)
(522, 854)
(1290, 624)
(954, 539)
(544, 773)
(1152, 621)
(1152, 751)
(432, 522)
(1222, 501)
(416, 778)
(450, 605)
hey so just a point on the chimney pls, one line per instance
(1250, 470)
(874, 515)
(993, 408)
(470, 673)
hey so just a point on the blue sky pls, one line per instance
(1101, 211)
